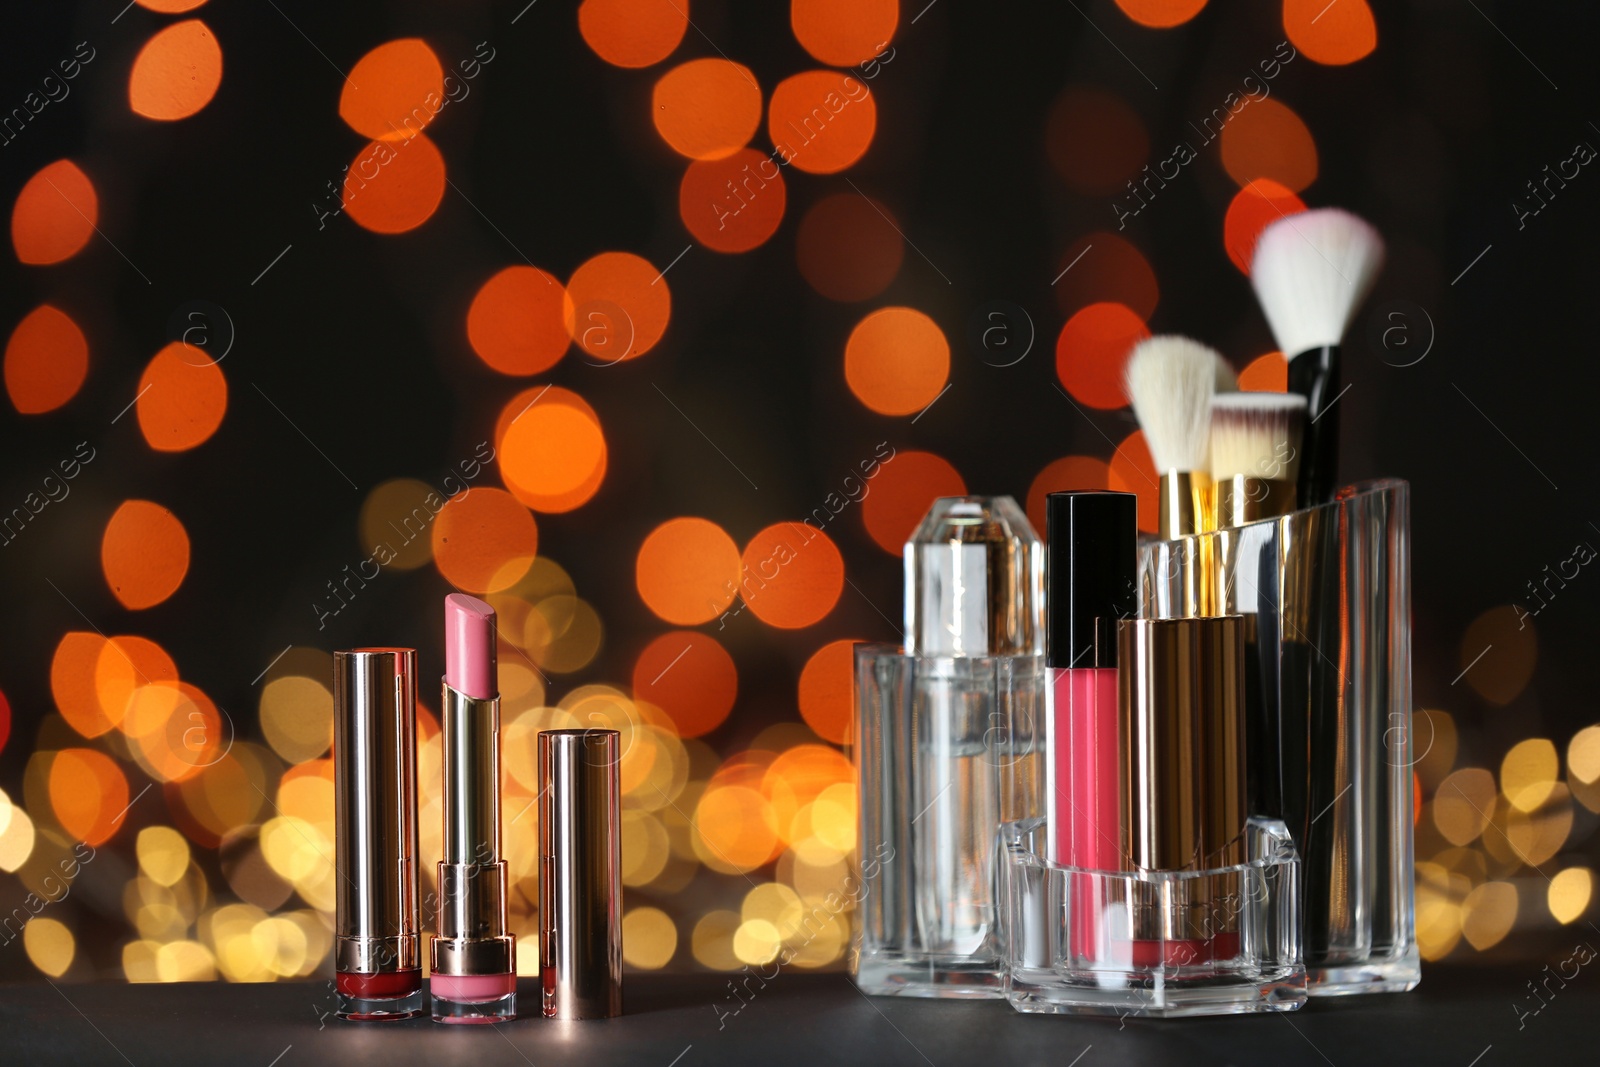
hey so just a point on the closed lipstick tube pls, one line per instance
(1091, 585)
(580, 873)
(376, 948)
(474, 976)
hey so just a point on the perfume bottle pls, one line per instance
(944, 750)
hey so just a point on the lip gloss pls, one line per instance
(376, 949)
(1091, 583)
(474, 958)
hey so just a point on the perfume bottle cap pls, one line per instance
(1180, 706)
(1091, 575)
(974, 580)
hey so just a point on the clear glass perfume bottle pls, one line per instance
(944, 752)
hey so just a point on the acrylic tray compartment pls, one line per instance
(1326, 596)
(938, 769)
(1153, 944)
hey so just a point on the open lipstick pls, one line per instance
(474, 958)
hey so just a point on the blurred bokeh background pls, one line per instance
(660, 322)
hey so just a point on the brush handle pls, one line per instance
(1315, 375)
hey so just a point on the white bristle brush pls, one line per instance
(1311, 271)
(1255, 454)
(1170, 380)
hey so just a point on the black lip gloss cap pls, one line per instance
(1091, 575)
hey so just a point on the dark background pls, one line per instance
(359, 336)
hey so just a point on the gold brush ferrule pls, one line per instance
(472, 937)
(1244, 499)
(1188, 504)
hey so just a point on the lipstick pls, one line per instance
(376, 949)
(1181, 711)
(474, 958)
(1091, 575)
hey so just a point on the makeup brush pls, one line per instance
(1311, 271)
(1255, 454)
(1171, 381)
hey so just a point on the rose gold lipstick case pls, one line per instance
(580, 873)
(376, 942)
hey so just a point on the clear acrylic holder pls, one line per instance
(1156, 944)
(939, 768)
(1326, 595)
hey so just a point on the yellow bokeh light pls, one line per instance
(16, 841)
(775, 903)
(1569, 895)
(139, 961)
(1583, 756)
(1528, 773)
(50, 946)
(712, 940)
(644, 847)
(1489, 912)
(756, 941)
(297, 717)
(163, 854)
(648, 938)
(185, 961)
(833, 816)
(1438, 912)
(1537, 836)
(1463, 805)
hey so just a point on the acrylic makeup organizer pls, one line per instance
(938, 768)
(1326, 595)
(1153, 944)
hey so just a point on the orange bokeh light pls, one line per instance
(689, 676)
(1161, 14)
(515, 323)
(176, 72)
(901, 493)
(123, 665)
(182, 398)
(735, 824)
(552, 452)
(144, 554)
(1268, 140)
(843, 33)
(821, 121)
(617, 306)
(849, 247)
(633, 33)
(1059, 476)
(170, 7)
(55, 214)
(392, 187)
(46, 361)
(1095, 140)
(896, 361)
(732, 204)
(796, 778)
(1092, 350)
(707, 108)
(1331, 34)
(827, 691)
(72, 682)
(687, 571)
(386, 96)
(793, 575)
(1133, 471)
(1254, 207)
(1103, 266)
(174, 730)
(484, 540)
(88, 793)
(1265, 374)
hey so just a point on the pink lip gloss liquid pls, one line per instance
(1091, 583)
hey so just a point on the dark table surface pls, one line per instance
(1458, 1016)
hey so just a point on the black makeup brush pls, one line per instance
(1311, 271)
